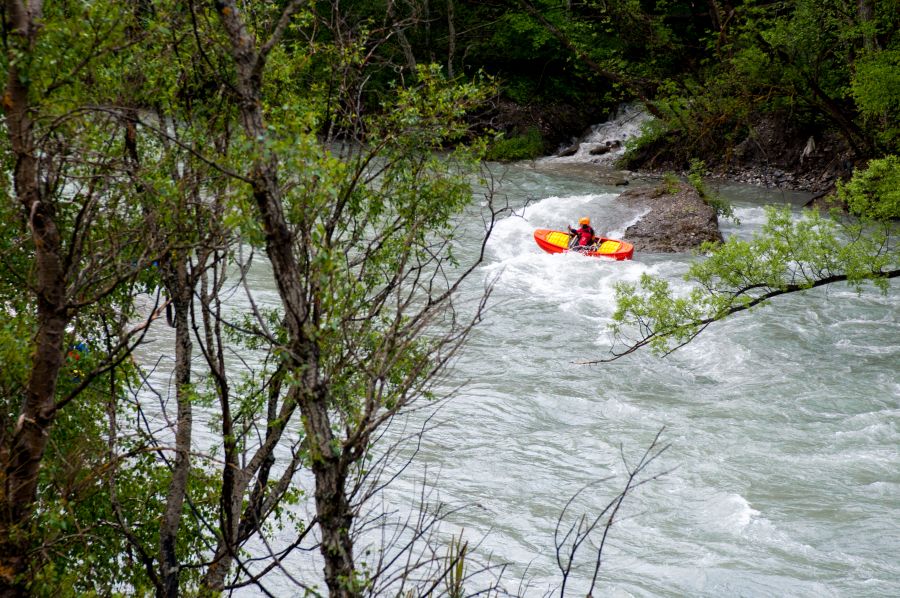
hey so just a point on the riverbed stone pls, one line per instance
(678, 220)
(568, 151)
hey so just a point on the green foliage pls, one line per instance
(115, 215)
(396, 222)
(811, 65)
(456, 566)
(652, 132)
(528, 146)
(875, 191)
(16, 328)
(430, 113)
(373, 220)
(670, 184)
(695, 177)
(655, 311)
(876, 84)
(787, 255)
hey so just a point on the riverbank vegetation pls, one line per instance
(805, 85)
(157, 152)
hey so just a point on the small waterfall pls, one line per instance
(605, 142)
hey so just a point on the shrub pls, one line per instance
(875, 191)
(520, 147)
(695, 178)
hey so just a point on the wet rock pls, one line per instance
(613, 180)
(825, 202)
(555, 121)
(606, 147)
(678, 219)
(569, 151)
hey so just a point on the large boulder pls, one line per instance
(677, 220)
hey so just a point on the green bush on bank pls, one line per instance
(719, 204)
(875, 191)
(527, 146)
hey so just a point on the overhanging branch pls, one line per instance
(701, 324)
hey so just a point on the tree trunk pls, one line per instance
(245, 523)
(234, 478)
(451, 33)
(332, 505)
(302, 355)
(181, 288)
(22, 450)
(866, 13)
(401, 37)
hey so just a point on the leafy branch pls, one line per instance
(786, 257)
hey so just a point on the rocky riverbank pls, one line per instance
(774, 153)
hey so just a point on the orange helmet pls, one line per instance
(585, 220)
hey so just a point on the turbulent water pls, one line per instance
(783, 423)
(783, 474)
(606, 142)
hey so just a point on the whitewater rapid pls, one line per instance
(783, 475)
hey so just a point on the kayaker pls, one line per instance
(583, 237)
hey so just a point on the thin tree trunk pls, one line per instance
(860, 143)
(262, 497)
(332, 504)
(181, 289)
(451, 31)
(401, 37)
(715, 14)
(866, 13)
(334, 513)
(233, 482)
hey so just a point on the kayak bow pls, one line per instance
(554, 241)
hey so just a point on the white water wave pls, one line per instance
(610, 138)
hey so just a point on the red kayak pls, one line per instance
(554, 241)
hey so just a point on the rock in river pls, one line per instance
(678, 219)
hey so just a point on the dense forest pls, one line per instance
(731, 83)
(156, 150)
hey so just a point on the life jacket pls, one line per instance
(585, 235)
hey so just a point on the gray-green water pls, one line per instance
(783, 423)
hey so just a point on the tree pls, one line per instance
(130, 177)
(798, 58)
(73, 262)
(359, 260)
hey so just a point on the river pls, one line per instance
(783, 423)
(783, 472)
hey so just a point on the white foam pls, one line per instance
(521, 264)
(614, 134)
(729, 512)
